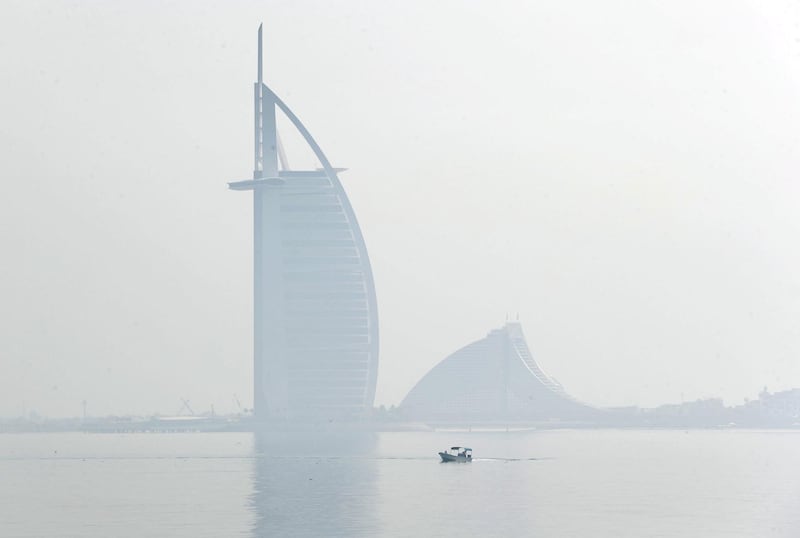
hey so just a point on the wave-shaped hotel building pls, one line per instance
(493, 379)
(315, 313)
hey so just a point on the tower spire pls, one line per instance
(260, 55)
(263, 121)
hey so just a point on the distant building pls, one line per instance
(315, 313)
(490, 380)
(709, 412)
(778, 409)
(784, 405)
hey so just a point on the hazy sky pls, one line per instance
(622, 174)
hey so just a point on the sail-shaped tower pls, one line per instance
(315, 313)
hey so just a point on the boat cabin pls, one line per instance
(457, 453)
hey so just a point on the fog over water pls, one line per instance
(623, 175)
(609, 484)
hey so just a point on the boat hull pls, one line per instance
(449, 457)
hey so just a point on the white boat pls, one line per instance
(456, 453)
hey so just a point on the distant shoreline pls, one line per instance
(237, 424)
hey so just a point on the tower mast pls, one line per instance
(265, 159)
(258, 164)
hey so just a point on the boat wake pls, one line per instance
(506, 460)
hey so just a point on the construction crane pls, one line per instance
(186, 406)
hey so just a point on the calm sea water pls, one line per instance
(544, 484)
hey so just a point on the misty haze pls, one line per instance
(452, 269)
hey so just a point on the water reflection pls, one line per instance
(314, 484)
